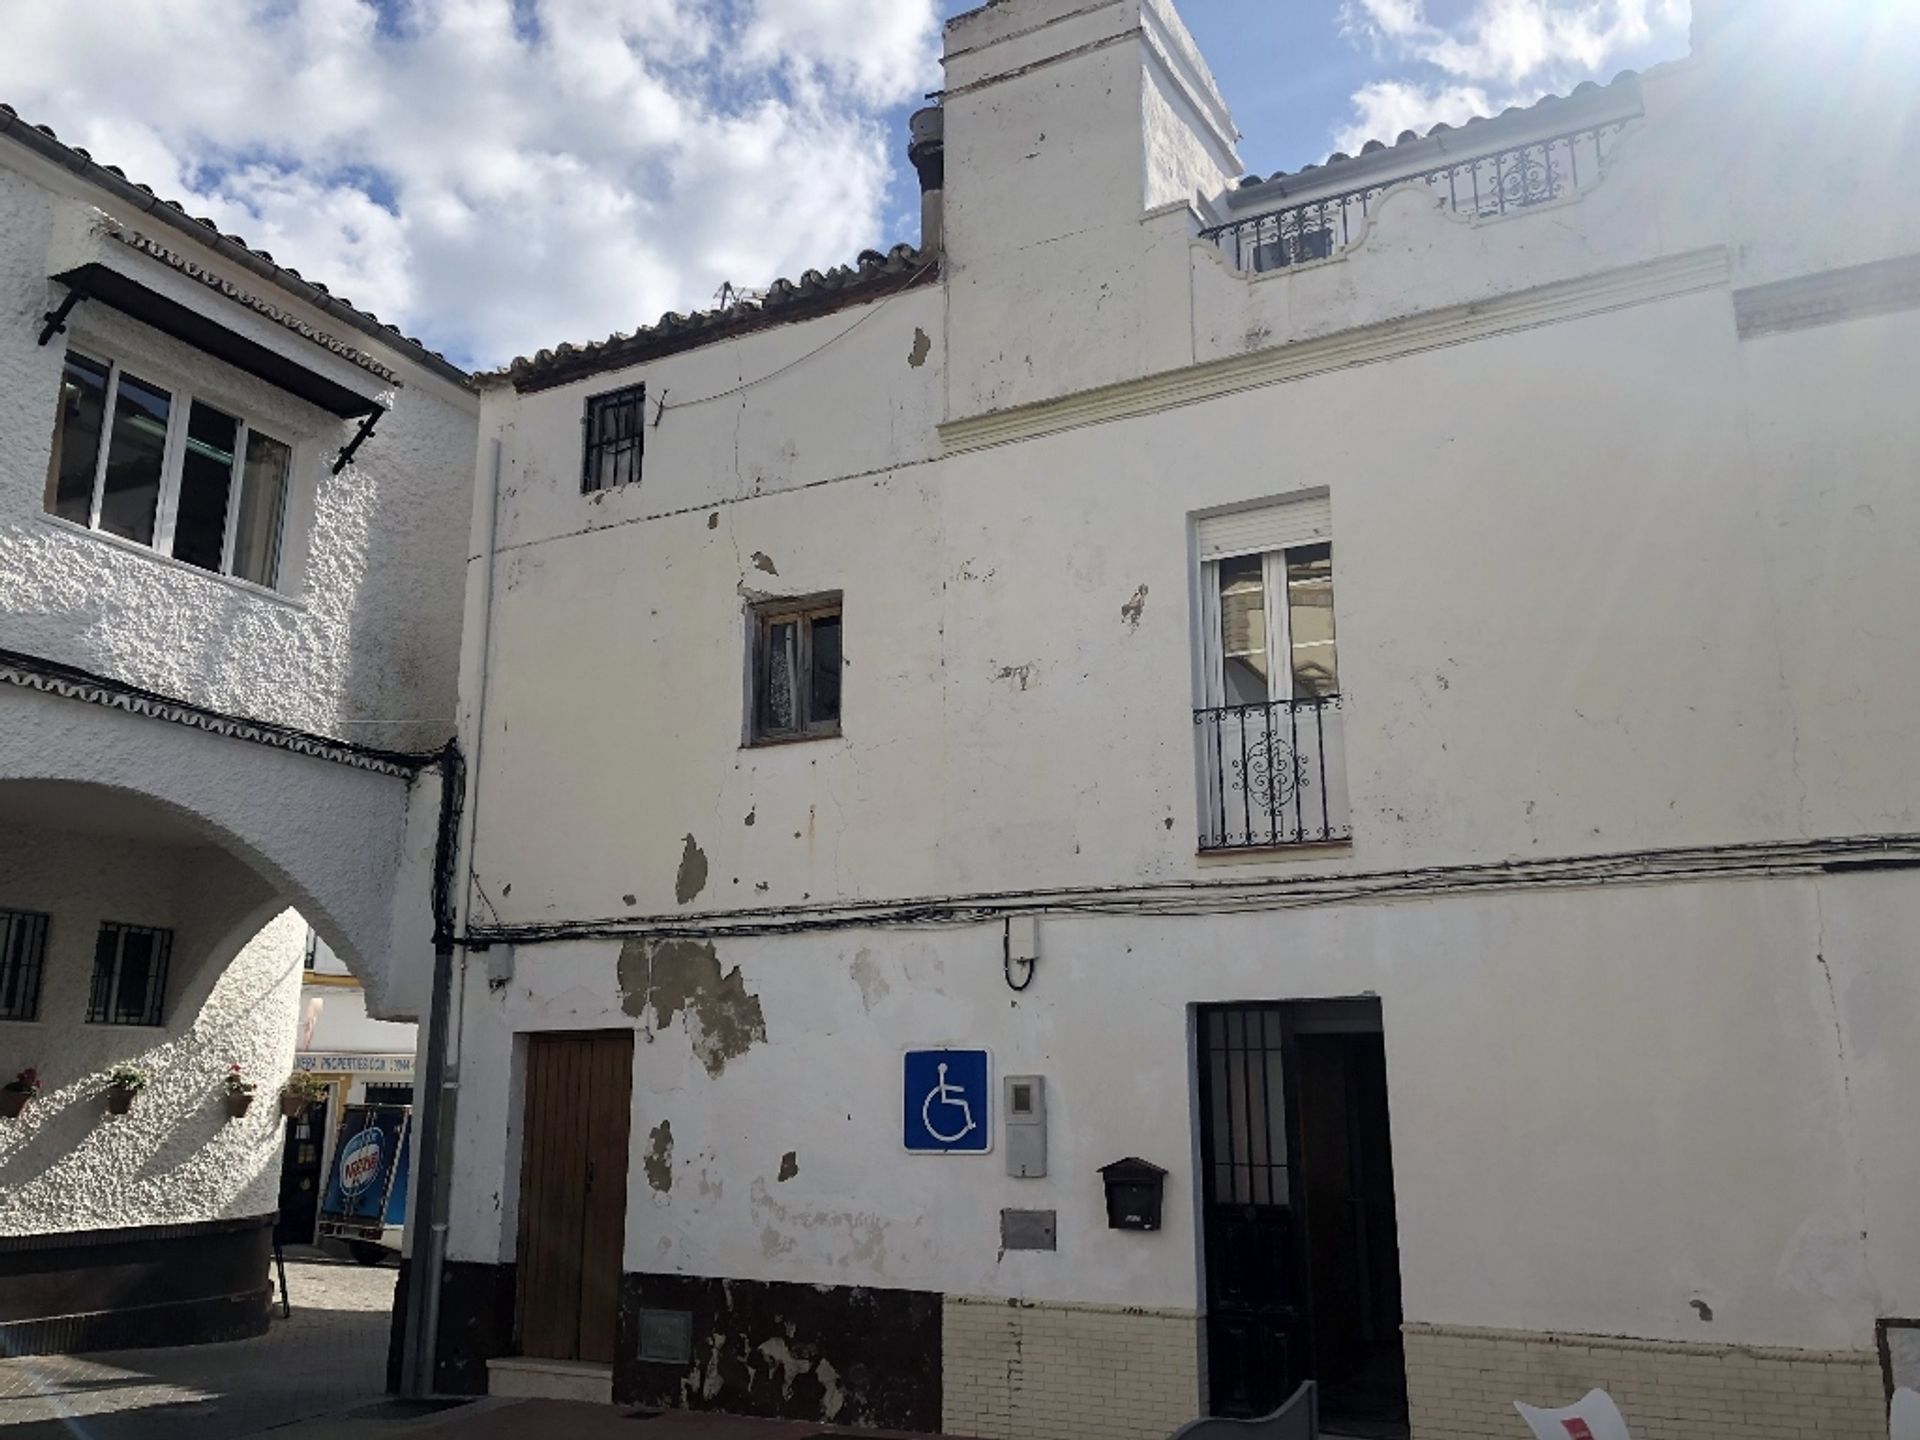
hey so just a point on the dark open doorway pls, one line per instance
(1299, 1231)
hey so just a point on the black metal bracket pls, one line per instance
(57, 319)
(364, 434)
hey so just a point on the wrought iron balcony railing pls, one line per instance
(1273, 774)
(1495, 184)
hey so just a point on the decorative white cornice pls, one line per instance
(1595, 294)
(1881, 288)
(97, 690)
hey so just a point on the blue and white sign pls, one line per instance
(948, 1102)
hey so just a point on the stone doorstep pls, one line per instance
(524, 1378)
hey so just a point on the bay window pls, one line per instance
(163, 468)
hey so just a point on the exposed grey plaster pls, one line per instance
(658, 1160)
(692, 877)
(671, 976)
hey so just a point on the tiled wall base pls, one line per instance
(1463, 1383)
(1068, 1372)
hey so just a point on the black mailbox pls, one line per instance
(1133, 1193)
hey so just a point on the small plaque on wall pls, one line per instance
(1028, 1230)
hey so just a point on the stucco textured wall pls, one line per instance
(233, 991)
(363, 645)
(324, 837)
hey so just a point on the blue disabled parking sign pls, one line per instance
(948, 1106)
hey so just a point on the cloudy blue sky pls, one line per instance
(498, 175)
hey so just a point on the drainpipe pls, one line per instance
(422, 1347)
(927, 149)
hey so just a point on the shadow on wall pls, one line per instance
(393, 536)
(175, 1156)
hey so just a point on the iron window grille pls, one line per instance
(129, 975)
(616, 437)
(23, 959)
(796, 671)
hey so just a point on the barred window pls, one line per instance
(616, 432)
(23, 955)
(129, 975)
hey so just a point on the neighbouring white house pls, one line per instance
(1208, 781)
(232, 511)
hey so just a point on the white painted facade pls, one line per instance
(168, 752)
(1622, 547)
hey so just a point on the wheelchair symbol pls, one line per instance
(951, 1097)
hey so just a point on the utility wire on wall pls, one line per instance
(1227, 897)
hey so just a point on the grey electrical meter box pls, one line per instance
(1025, 1117)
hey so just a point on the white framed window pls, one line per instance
(1267, 600)
(1269, 721)
(152, 462)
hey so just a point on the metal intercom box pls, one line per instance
(1024, 1115)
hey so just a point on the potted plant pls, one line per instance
(123, 1084)
(238, 1091)
(18, 1091)
(300, 1091)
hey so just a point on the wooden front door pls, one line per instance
(573, 1193)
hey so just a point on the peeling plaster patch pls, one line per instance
(658, 1161)
(723, 1020)
(692, 878)
(713, 521)
(922, 347)
(789, 1166)
(1021, 675)
(1702, 1309)
(866, 974)
(863, 1248)
(761, 561)
(832, 1398)
(1135, 608)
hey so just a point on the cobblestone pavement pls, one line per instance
(330, 1356)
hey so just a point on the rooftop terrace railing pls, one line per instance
(1499, 183)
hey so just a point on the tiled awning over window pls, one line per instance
(108, 286)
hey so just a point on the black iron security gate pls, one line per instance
(1299, 1228)
(1256, 1305)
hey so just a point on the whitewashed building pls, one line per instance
(1387, 691)
(229, 632)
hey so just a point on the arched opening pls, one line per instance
(142, 939)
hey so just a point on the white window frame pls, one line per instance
(173, 463)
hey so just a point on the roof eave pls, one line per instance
(39, 142)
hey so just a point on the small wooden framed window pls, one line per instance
(796, 669)
(616, 437)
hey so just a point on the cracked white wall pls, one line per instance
(1611, 582)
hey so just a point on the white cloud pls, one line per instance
(497, 176)
(1386, 109)
(1498, 53)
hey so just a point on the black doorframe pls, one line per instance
(302, 1165)
(1255, 1231)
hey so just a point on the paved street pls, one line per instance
(329, 1357)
